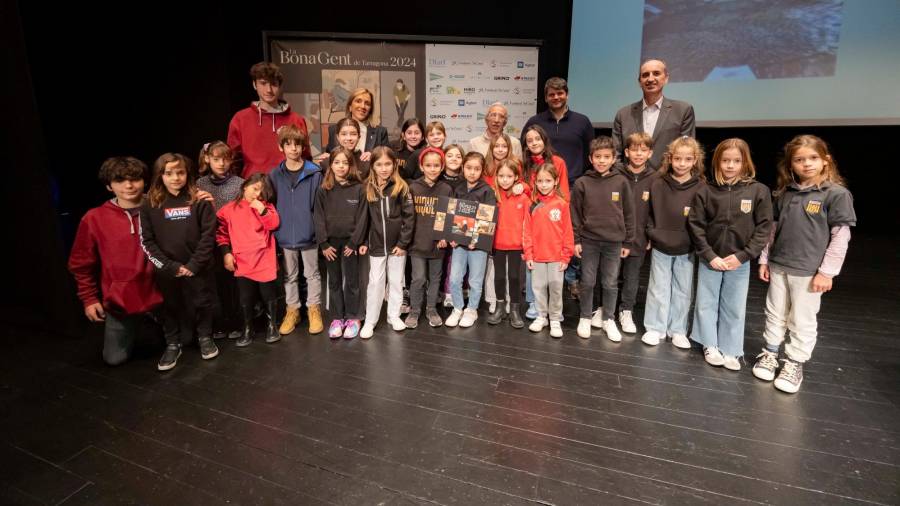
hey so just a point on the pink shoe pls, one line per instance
(336, 329)
(351, 329)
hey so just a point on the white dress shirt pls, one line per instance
(651, 115)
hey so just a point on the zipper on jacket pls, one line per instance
(387, 205)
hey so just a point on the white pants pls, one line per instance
(384, 271)
(310, 259)
(490, 292)
(791, 305)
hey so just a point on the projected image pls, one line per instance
(713, 40)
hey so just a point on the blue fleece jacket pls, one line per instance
(295, 194)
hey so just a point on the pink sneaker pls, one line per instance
(351, 329)
(336, 329)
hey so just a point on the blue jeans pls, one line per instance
(473, 261)
(669, 293)
(720, 308)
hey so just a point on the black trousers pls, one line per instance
(508, 265)
(226, 311)
(631, 277)
(425, 271)
(250, 290)
(187, 305)
(343, 283)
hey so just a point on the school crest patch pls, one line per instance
(687, 210)
(746, 206)
(813, 207)
(645, 196)
(555, 215)
(615, 196)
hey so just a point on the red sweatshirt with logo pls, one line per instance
(253, 135)
(551, 238)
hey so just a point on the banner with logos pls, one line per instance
(452, 83)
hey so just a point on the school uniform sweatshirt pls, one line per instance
(603, 208)
(730, 220)
(670, 204)
(295, 193)
(108, 263)
(390, 222)
(640, 195)
(425, 198)
(338, 212)
(513, 222)
(178, 233)
(551, 238)
(247, 234)
(253, 136)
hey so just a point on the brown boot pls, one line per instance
(290, 321)
(315, 319)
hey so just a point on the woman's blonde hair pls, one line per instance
(357, 92)
(748, 170)
(373, 192)
(785, 169)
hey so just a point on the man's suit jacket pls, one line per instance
(375, 136)
(676, 118)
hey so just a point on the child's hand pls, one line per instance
(363, 249)
(205, 195)
(258, 205)
(365, 156)
(718, 264)
(578, 250)
(453, 244)
(330, 253)
(764, 272)
(563, 267)
(184, 272)
(649, 245)
(442, 244)
(517, 189)
(398, 251)
(530, 264)
(95, 312)
(348, 251)
(820, 283)
(229, 262)
(733, 262)
(624, 253)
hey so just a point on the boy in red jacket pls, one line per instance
(114, 279)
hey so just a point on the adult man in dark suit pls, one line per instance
(664, 119)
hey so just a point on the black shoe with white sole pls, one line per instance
(170, 357)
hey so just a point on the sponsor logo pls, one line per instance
(493, 90)
(451, 90)
(520, 64)
(523, 78)
(434, 77)
(434, 102)
(461, 102)
(479, 116)
(813, 207)
(501, 78)
(516, 90)
(437, 116)
(468, 90)
(555, 215)
(434, 90)
(437, 62)
(469, 128)
(615, 196)
(746, 206)
(457, 77)
(177, 213)
(460, 116)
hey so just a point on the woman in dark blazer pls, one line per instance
(360, 107)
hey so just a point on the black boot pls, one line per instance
(272, 333)
(515, 318)
(247, 337)
(499, 313)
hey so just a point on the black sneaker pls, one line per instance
(208, 348)
(790, 377)
(412, 320)
(404, 306)
(219, 334)
(434, 319)
(169, 358)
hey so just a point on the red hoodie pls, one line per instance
(108, 244)
(253, 135)
(248, 236)
(563, 174)
(513, 222)
(551, 237)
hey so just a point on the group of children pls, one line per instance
(213, 243)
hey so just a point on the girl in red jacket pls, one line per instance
(513, 223)
(248, 247)
(548, 248)
(538, 151)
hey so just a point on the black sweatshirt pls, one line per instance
(425, 198)
(603, 208)
(338, 212)
(179, 233)
(670, 204)
(640, 194)
(731, 220)
(390, 222)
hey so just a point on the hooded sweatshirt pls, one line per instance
(338, 212)
(551, 238)
(253, 135)
(425, 198)
(640, 193)
(603, 208)
(247, 235)
(731, 220)
(108, 245)
(179, 233)
(295, 194)
(670, 204)
(390, 223)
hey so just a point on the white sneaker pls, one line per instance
(453, 319)
(627, 322)
(713, 357)
(448, 300)
(538, 324)
(612, 332)
(651, 338)
(397, 324)
(681, 341)
(555, 329)
(597, 318)
(367, 331)
(492, 306)
(731, 363)
(469, 316)
(584, 328)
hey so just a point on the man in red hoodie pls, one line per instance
(253, 132)
(114, 279)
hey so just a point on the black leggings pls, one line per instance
(343, 283)
(508, 263)
(250, 289)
